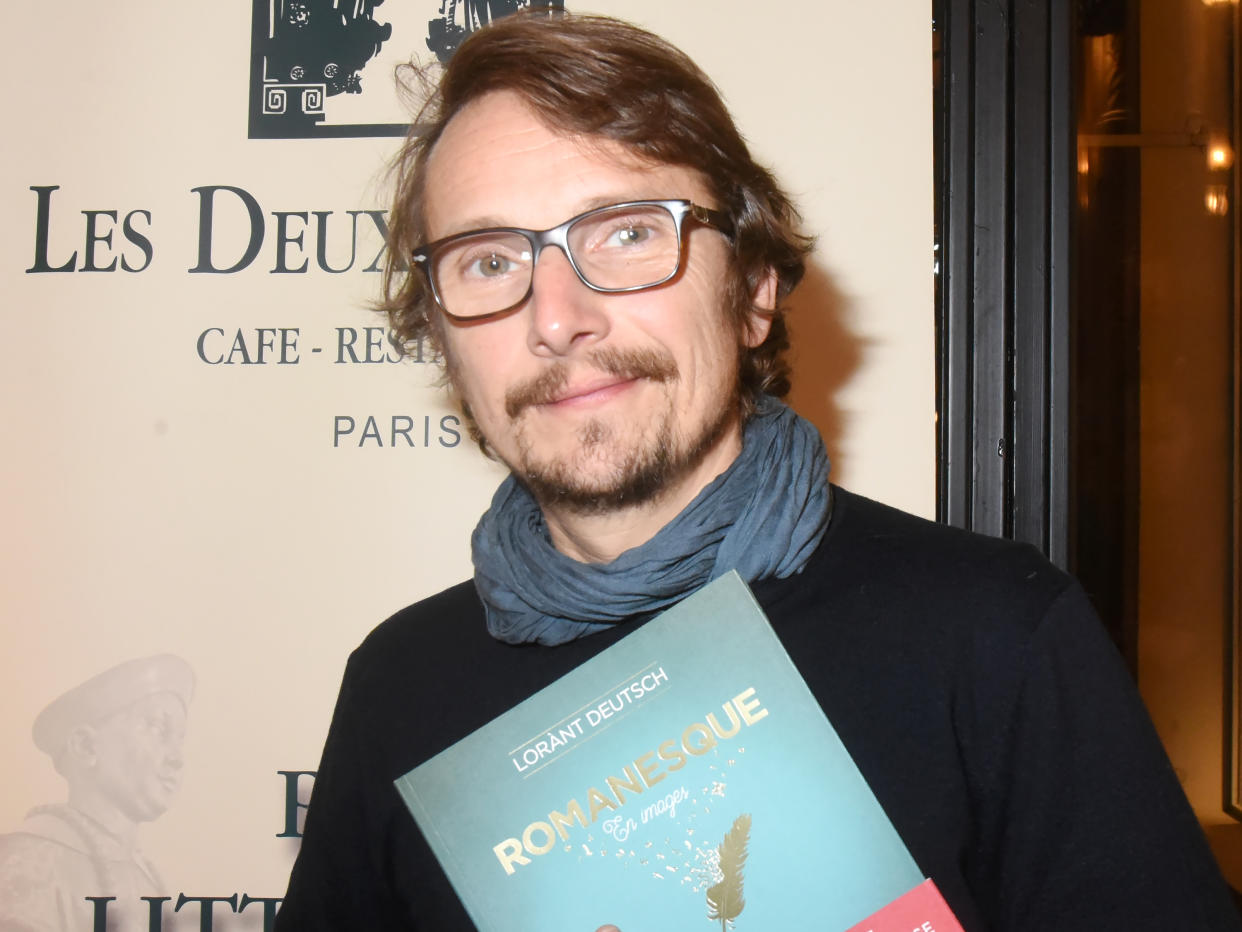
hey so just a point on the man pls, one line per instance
(603, 266)
(116, 739)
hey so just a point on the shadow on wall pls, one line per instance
(825, 356)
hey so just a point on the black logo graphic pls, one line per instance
(309, 56)
(458, 19)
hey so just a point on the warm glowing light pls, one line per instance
(1219, 155)
(1217, 2)
(1216, 199)
(1084, 161)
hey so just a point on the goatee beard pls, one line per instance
(636, 476)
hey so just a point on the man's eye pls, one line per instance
(631, 236)
(491, 266)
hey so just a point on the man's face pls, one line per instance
(137, 756)
(598, 401)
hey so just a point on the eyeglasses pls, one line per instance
(615, 249)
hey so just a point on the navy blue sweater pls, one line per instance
(968, 677)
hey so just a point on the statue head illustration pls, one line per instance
(117, 738)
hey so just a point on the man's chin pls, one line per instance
(600, 482)
(610, 463)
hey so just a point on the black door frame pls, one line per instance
(1006, 146)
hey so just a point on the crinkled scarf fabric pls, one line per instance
(764, 516)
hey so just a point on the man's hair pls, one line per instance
(601, 77)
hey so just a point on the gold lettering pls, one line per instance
(668, 750)
(709, 740)
(747, 708)
(720, 732)
(562, 821)
(528, 842)
(645, 770)
(616, 784)
(509, 852)
(598, 801)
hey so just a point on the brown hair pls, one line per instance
(597, 76)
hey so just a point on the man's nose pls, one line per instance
(565, 315)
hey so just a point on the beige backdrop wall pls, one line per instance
(158, 499)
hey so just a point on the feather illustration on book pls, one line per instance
(724, 899)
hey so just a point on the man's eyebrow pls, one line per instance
(474, 223)
(488, 221)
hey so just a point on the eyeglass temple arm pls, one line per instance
(712, 218)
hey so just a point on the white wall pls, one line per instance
(152, 502)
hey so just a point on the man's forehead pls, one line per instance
(498, 163)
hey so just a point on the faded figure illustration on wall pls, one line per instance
(117, 740)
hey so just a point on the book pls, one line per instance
(684, 778)
(923, 909)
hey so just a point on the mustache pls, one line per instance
(543, 389)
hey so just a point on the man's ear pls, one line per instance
(763, 307)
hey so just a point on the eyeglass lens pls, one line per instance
(614, 249)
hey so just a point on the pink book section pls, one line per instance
(923, 909)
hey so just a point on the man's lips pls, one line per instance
(595, 390)
(604, 374)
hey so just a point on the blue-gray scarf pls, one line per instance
(763, 516)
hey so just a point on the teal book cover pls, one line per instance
(685, 778)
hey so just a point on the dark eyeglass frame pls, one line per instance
(558, 236)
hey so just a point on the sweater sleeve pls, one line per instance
(341, 879)
(1085, 825)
